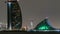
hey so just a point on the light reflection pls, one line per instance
(9, 3)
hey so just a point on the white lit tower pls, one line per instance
(31, 24)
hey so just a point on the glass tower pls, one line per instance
(14, 15)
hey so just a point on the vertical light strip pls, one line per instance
(9, 3)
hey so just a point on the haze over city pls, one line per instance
(35, 10)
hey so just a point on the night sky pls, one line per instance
(35, 10)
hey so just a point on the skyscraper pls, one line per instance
(14, 15)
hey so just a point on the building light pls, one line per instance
(9, 3)
(43, 28)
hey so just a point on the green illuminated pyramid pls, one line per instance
(44, 25)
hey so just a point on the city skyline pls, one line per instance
(35, 10)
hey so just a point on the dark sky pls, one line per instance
(35, 10)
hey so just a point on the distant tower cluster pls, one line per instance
(14, 15)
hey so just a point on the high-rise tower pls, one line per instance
(14, 15)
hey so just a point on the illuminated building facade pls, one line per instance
(14, 14)
(44, 25)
